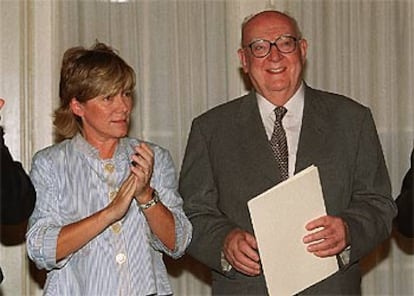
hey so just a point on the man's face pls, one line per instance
(276, 76)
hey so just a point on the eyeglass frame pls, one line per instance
(295, 39)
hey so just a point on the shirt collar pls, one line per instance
(84, 147)
(294, 105)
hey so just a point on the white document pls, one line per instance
(279, 216)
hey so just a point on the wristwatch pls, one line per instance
(155, 199)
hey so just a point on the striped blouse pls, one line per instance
(71, 183)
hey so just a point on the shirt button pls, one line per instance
(116, 227)
(109, 167)
(120, 258)
(112, 195)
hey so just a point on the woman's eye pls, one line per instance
(107, 98)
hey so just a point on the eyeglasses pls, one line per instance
(284, 44)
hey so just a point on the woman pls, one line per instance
(108, 205)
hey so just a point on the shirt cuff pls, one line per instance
(345, 255)
(225, 265)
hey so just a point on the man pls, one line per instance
(405, 203)
(231, 158)
(18, 195)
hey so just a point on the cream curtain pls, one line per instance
(184, 53)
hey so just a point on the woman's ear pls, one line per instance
(76, 107)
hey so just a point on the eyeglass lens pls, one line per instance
(285, 44)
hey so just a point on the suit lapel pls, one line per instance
(313, 144)
(255, 148)
(313, 139)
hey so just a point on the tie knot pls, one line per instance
(280, 111)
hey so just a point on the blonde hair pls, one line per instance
(86, 74)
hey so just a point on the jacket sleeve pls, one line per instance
(372, 208)
(405, 204)
(200, 195)
(17, 192)
(45, 223)
(165, 182)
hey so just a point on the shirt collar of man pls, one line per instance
(294, 106)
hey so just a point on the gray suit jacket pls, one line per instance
(228, 161)
(405, 203)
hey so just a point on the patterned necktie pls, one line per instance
(278, 143)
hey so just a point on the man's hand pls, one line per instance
(240, 250)
(329, 236)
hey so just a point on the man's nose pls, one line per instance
(274, 53)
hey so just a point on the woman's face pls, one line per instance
(103, 117)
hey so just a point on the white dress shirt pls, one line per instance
(292, 121)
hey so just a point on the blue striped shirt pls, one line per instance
(72, 183)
